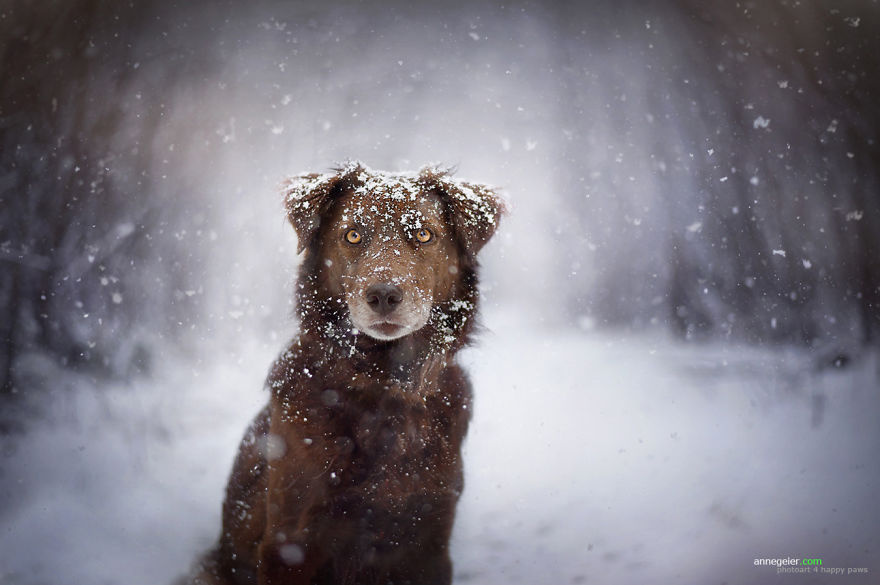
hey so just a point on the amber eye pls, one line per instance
(353, 237)
(424, 235)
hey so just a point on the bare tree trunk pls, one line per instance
(80, 108)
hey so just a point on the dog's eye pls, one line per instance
(353, 237)
(424, 235)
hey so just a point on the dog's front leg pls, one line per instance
(289, 553)
(433, 569)
(293, 562)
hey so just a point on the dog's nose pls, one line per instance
(384, 298)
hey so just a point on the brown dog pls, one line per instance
(352, 473)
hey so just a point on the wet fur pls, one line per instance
(352, 473)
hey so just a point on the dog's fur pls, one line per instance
(352, 472)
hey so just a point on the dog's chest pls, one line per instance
(387, 445)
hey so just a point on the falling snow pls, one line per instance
(760, 122)
(677, 369)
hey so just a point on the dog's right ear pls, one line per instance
(306, 198)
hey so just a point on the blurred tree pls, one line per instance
(724, 168)
(708, 167)
(788, 248)
(80, 268)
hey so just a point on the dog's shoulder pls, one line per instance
(291, 365)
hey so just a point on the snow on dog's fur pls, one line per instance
(352, 472)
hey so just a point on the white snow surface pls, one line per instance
(592, 458)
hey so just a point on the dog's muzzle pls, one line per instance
(384, 298)
(385, 311)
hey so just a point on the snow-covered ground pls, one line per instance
(592, 458)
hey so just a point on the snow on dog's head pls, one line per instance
(397, 249)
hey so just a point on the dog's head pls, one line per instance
(392, 247)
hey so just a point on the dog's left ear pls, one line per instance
(306, 197)
(475, 208)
